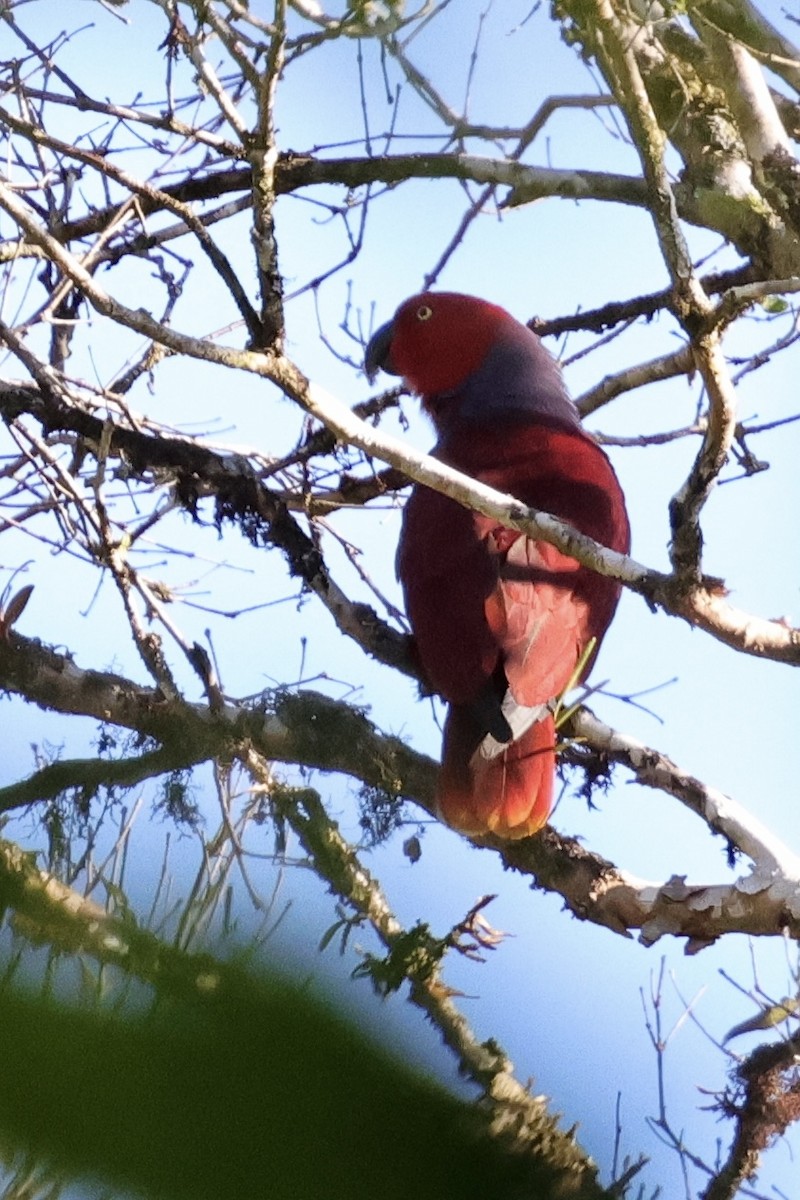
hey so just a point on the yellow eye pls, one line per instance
(424, 312)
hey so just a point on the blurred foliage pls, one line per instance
(264, 1092)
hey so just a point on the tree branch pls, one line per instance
(517, 1118)
(320, 733)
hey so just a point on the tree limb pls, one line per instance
(317, 732)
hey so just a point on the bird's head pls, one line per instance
(436, 341)
(470, 361)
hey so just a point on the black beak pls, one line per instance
(378, 355)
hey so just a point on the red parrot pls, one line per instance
(501, 621)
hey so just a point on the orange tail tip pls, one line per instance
(511, 795)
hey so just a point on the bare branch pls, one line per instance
(668, 366)
(263, 156)
(318, 732)
(742, 21)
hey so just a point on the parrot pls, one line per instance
(502, 623)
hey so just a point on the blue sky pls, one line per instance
(561, 996)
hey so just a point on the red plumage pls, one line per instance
(500, 621)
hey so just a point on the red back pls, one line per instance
(474, 591)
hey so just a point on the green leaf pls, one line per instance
(768, 1018)
(774, 304)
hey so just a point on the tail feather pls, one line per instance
(510, 794)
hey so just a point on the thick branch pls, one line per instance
(742, 21)
(618, 59)
(296, 171)
(747, 92)
(717, 188)
(295, 728)
(765, 901)
(317, 732)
